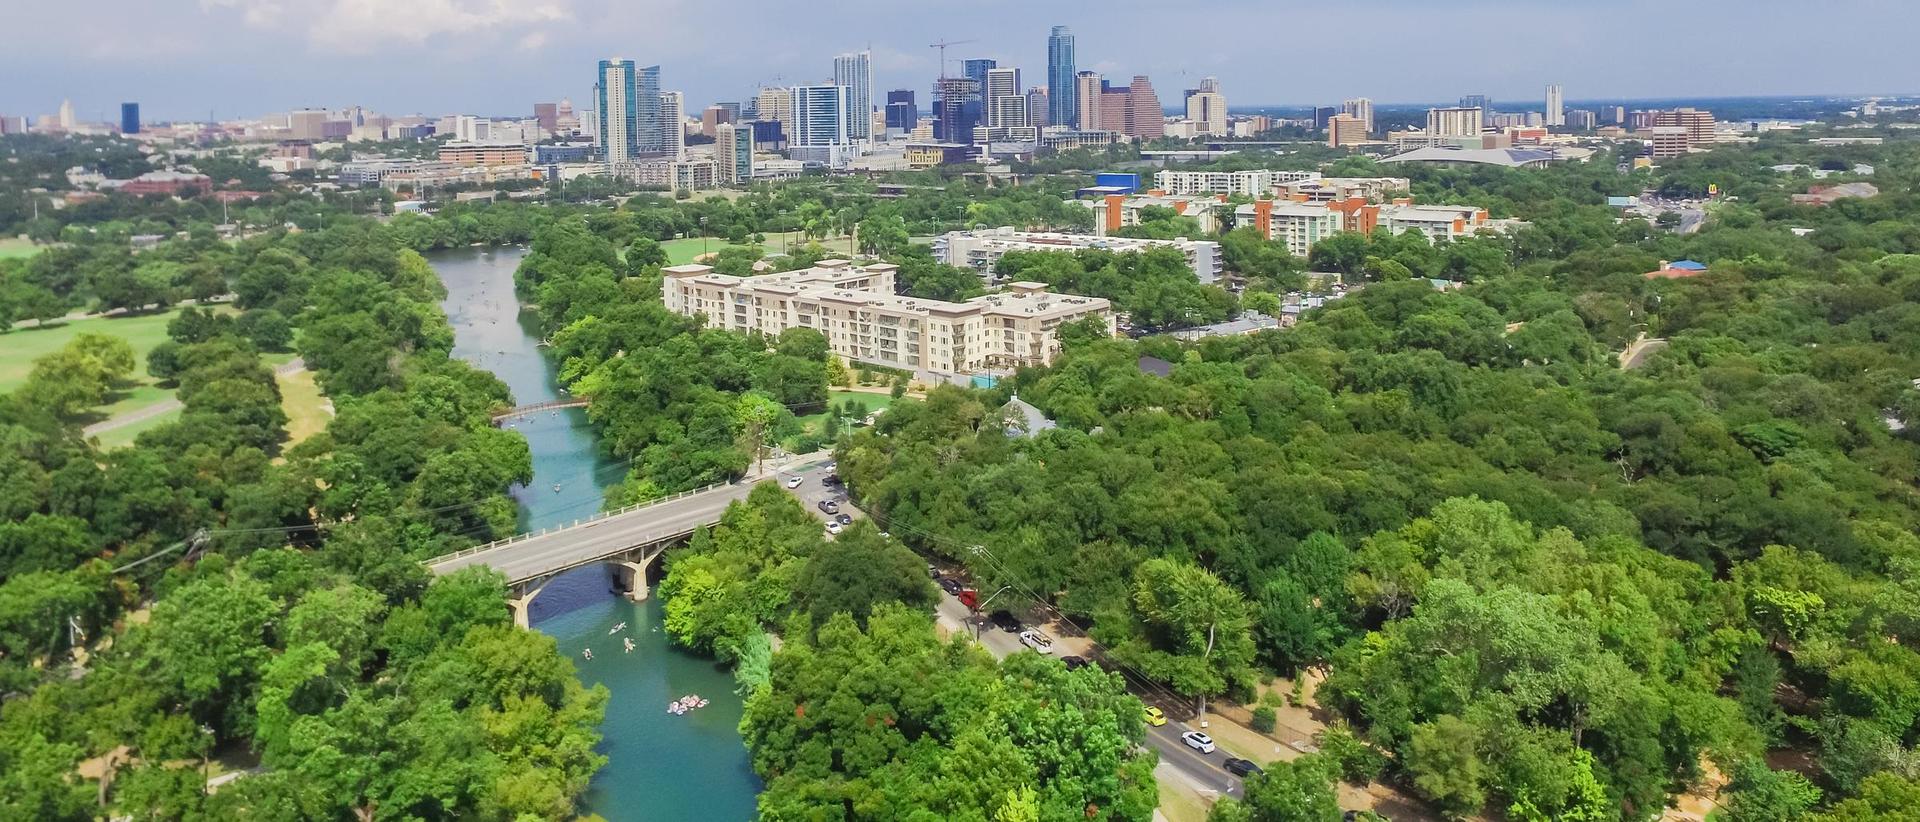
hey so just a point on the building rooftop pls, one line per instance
(1508, 157)
(838, 281)
(1024, 420)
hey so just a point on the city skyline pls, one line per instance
(448, 55)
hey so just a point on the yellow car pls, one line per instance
(1155, 717)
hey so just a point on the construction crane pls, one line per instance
(942, 46)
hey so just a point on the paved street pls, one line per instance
(1201, 772)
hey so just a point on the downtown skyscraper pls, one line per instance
(1062, 99)
(627, 105)
(855, 71)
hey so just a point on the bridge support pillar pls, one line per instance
(632, 571)
(520, 599)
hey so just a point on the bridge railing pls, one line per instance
(522, 410)
(552, 529)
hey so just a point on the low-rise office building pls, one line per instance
(981, 248)
(1253, 183)
(483, 154)
(856, 308)
(1331, 189)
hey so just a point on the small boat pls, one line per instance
(586, 652)
(556, 488)
(629, 642)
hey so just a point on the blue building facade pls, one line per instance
(1062, 105)
(129, 118)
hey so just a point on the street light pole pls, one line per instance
(981, 606)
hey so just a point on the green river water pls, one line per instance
(659, 766)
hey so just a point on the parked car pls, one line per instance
(1155, 716)
(830, 480)
(951, 585)
(829, 506)
(969, 598)
(1074, 662)
(1241, 767)
(793, 482)
(834, 528)
(1005, 621)
(1198, 741)
(1037, 641)
(843, 519)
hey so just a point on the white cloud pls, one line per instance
(363, 25)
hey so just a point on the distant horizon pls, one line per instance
(244, 58)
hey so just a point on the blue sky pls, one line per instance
(184, 58)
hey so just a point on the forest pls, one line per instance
(1541, 586)
(210, 590)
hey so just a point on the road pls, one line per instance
(170, 405)
(1638, 352)
(1202, 772)
(565, 548)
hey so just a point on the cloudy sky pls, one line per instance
(185, 58)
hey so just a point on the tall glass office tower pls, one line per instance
(855, 71)
(628, 107)
(1061, 103)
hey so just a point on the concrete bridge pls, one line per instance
(630, 539)
(550, 405)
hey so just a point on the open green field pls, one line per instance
(16, 247)
(306, 407)
(682, 251)
(812, 422)
(20, 347)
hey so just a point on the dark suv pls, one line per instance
(1004, 621)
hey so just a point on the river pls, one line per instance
(659, 766)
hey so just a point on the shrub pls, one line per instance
(1263, 719)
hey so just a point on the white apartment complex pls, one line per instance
(1250, 183)
(1115, 211)
(1435, 221)
(856, 308)
(981, 248)
(1330, 189)
(1299, 225)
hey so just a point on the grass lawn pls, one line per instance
(16, 247)
(306, 407)
(683, 250)
(1182, 804)
(21, 346)
(124, 435)
(812, 422)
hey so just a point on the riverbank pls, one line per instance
(659, 766)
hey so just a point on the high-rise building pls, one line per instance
(1556, 107)
(1359, 108)
(310, 124)
(614, 103)
(956, 109)
(547, 115)
(901, 110)
(712, 118)
(1478, 101)
(1581, 119)
(1145, 119)
(1207, 108)
(1039, 113)
(1453, 122)
(1114, 104)
(1006, 103)
(67, 120)
(776, 104)
(1617, 115)
(1699, 124)
(673, 124)
(1346, 130)
(1063, 87)
(855, 72)
(129, 118)
(627, 104)
(977, 68)
(733, 154)
(1086, 101)
(1321, 115)
(819, 116)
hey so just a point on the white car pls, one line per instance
(793, 482)
(1198, 741)
(1037, 641)
(833, 528)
